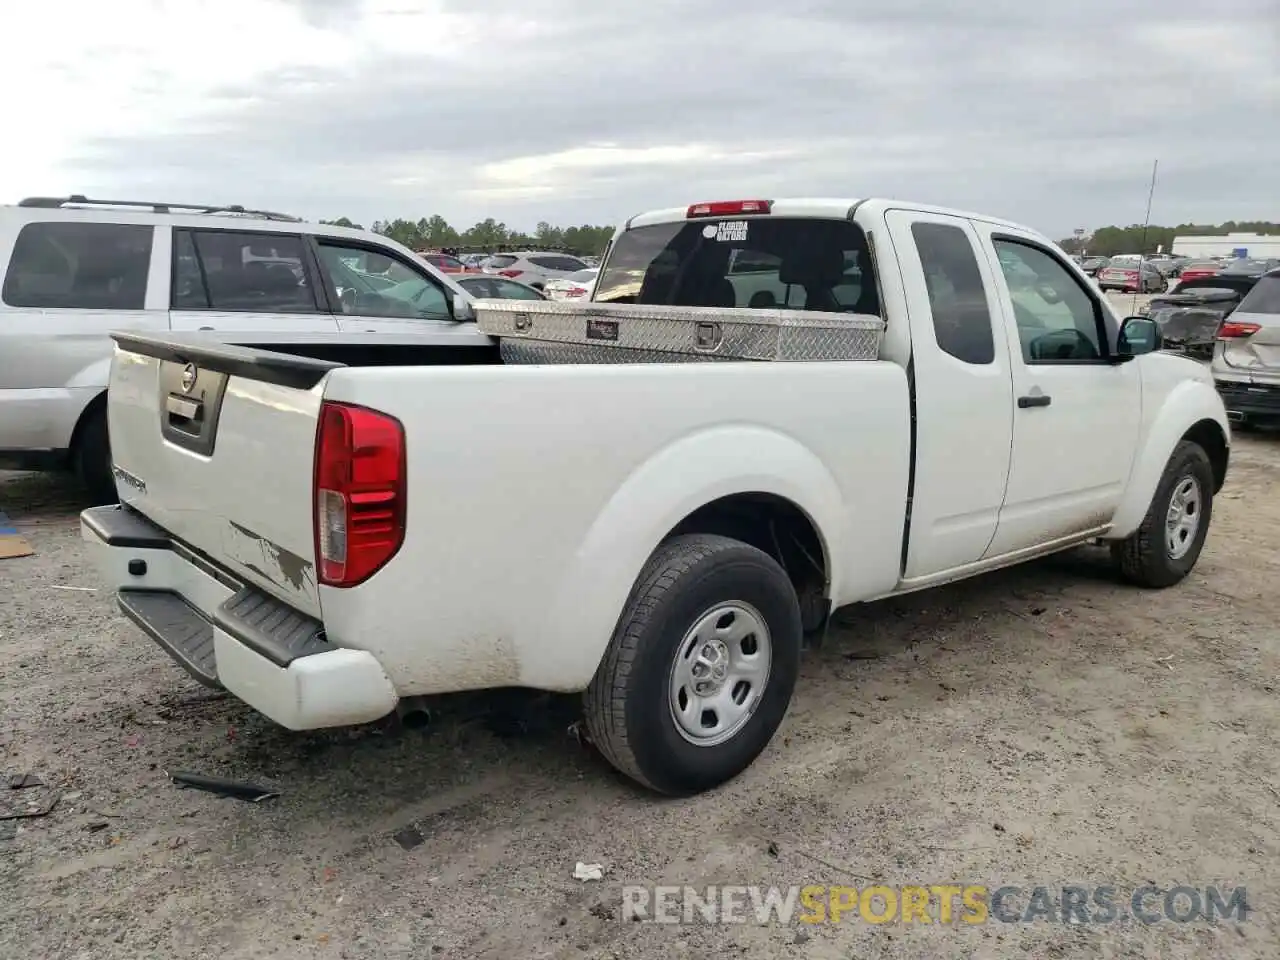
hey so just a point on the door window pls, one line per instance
(1057, 319)
(957, 298)
(567, 264)
(77, 265)
(240, 272)
(369, 282)
(508, 290)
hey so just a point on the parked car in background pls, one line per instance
(483, 285)
(1179, 263)
(1246, 357)
(76, 269)
(1091, 265)
(1137, 276)
(1200, 268)
(533, 267)
(1249, 267)
(448, 264)
(576, 286)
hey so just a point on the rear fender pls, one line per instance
(1189, 404)
(686, 475)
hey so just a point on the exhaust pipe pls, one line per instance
(1235, 416)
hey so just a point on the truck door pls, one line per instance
(243, 282)
(1076, 413)
(963, 389)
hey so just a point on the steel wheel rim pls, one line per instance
(719, 673)
(1182, 521)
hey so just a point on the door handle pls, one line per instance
(206, 328)
(1038, 401)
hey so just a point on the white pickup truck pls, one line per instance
(326, 540)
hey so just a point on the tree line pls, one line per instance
(488, 235)
(1110, 241)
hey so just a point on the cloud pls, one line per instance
(575, 111)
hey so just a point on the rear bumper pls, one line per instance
(229, 635)
(1246, 402)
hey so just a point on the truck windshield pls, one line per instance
(783, 262)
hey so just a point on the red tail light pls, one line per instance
(576, 292)
(1230, 330)
(728, 208)
(359, 493)
(509, 273)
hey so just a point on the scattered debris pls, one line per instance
(93, 826)
(1165, 661)
(588, 871)
(862, 655)
(33, 808)
(59, 586)
(238, 789)
(1037, 611)
(408, 838)
(602, 911)
(21, 781)
(772, 849)
(998, 827)
(947, 687)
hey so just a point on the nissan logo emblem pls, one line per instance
(188, 378)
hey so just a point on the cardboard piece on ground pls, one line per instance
(11, 544)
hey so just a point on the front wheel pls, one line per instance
(701, 667)
(1164, 549)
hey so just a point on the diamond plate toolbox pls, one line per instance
(551, 332)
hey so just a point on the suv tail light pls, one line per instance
(728, 208)
(509, 273)
(359, 492)
(1231, 329)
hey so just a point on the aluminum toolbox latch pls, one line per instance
(708, 335)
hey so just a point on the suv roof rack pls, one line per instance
(80, 200)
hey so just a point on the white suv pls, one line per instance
(75, 269)
(534, 267)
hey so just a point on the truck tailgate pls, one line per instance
(215, 444)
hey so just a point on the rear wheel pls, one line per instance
(701, 667)
(93, 458)
(1164, 549)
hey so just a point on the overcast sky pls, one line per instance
(575, 111)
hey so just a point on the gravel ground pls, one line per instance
(1037, 726)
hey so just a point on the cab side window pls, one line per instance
(957, 297)
(1058, 321)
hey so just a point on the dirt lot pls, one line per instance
(1039, 726)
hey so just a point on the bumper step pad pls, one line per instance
(177, 627)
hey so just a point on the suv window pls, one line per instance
(957, 298)
(1263, 298)
(801, 263)
(557, 263)
(84, 266)
(240, 272)
(1057, 319)
(499, 263)
(374, 283)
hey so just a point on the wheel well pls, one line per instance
(91, 408)
(1210, 437)
(779, 528)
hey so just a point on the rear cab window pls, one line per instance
(762, 262)
(73, 264)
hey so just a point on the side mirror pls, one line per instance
(1138, 335)
(462, 309)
